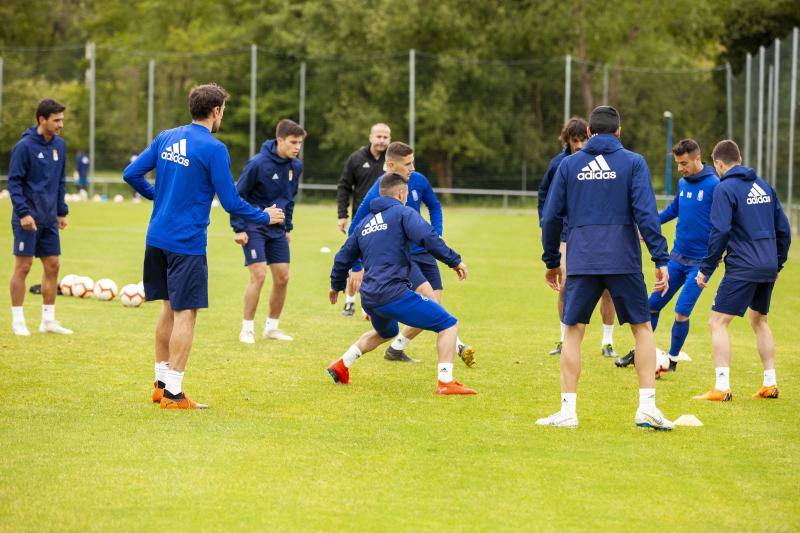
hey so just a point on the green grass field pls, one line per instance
(282, 447)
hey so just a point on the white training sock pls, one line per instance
(569, 403)
(351, 355)
(48, 313)
(563, 329)
(248, 325)
(723, 374)
(173, 381)
(608, 334)
(647, 398)
(400, 342)
(17, 314)
(349, 299)
(161, 371)
(271, 323)
(770, 379)
(445, 372)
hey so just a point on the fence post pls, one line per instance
(760, 132)
(253, 75)
(412, 75)
(768, 131)
(775, 100)
(729, 96)
(90, 51)
(605, 84)
(151, 75)
(792, 108)
(302, 110)
(1, 90)
(747, 97)
(567, 85)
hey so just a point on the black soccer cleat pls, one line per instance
(673, 366)
(398, 356)
(349, 309)
(625, 360)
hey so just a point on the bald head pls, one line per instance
(379, 138)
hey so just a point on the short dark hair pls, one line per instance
(48, 107)
(728, 152)
(289, 128)
(390, 182)
(397, 150)
(686, 146)
(575, 128)
(204, 98)
(604, 119)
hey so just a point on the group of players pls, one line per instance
(594, 191)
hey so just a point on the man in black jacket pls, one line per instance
(363, 168)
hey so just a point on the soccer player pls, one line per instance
(573, 137)
(191, 166)
(382, 241)
(270, 178)
(692, 207)
(363, 168)
(425, 276)
(746, 220)
(604, 193)
(37, 183)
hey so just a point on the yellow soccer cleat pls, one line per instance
(715, 395)
(767, 392)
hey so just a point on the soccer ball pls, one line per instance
(141, 288)
(662, 363)
(83, 287)
(66, 284)
(131, 296)
(105, 289)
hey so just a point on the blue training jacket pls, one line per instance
(269, 179)
(605, 191)
(547, 180)
(191, 165)
(37, 178)
(382, 241)
(747, 220)
(692, 207)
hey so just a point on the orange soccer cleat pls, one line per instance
(181, 403)
(715, 395)
(767, 392)
(158, 392)
(339, 372)
(453, 387)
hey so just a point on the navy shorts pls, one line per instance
(263, 249)
(412, 310)
(181, 279)
(44, 242)
(628, 292)
(734, 296)
(680, 275)
(424, 268)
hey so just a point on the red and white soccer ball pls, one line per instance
(662, 363)
(66, 284)
(105, 289)
(83, 287)
(131, 296)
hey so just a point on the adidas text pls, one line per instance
(175, 158)
(597, 175)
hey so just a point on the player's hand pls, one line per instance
(461, 270)
(333, 296)
(553, 278)
(62, 222)
(240, 238)
(275, 213)
(662, 280)
(355, 280)
(701, 280)
(27, 223)
(342, 225)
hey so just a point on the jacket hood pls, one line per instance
(269, 149)
(32, 134)
(382, 204)
(740, 172)
(602, 143)
(705, 172)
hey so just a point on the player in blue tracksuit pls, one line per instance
(604, 192)
(382, 241)
(270, 178)
(692, 207)
(82, 166)
(37, 183)
(425, 277)
(573, 137)
(191, 166)
(748, 223)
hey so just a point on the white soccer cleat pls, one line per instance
(247, 337)
(559, 420)
(21, 329)
(53, 326)
(653, 418)
(276, 335)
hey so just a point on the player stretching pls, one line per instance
(604, 193)
(425, 276)
(191, 166)
(383, 243)
(37, 181)
(270, 178)
(573, 137)
(363, 168)
(692, 207)
(746, 220)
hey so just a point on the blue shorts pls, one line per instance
(734, 296)
(424, 268)
(627, 290)
(181, 279)
(44, 242)
(679, 276)
(263, 249)
(413, 310)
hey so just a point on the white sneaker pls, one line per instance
(653, 418)
(53, 326)
(276, 335)
(21, 329)
(559, 420)
(247, 337)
